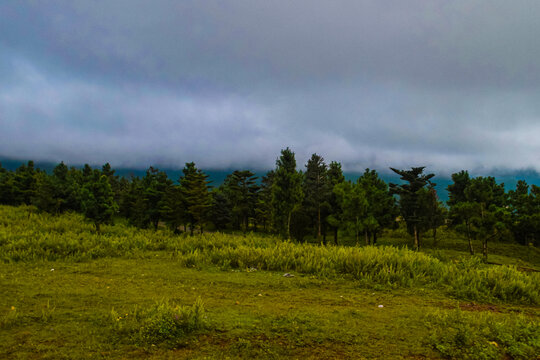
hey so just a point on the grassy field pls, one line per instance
(67, 293)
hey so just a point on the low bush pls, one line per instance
(482, 335)
(163, 323)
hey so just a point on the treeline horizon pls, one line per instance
(294, 204)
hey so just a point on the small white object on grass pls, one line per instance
(52, 269)
(381, 306)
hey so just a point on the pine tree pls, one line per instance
(381, 209)
(198, 200)
(286, 192)
(353, 202)
(409, 203)
(264, 200)
(316, 188)
(24, 184)
(97, 201)
(221, 212)
(334, 218)
(155, 185)
(241, 189)
(7, 197)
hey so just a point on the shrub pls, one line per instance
(483, 335)
(163, 323)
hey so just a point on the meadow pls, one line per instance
(67, 293)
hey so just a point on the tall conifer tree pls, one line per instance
(286, 192)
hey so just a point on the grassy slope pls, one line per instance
(65, 313)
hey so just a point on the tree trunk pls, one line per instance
(471, 250)
(416, 240)
(374, 237)
(366, 235)
(485, 249)
(356, 231)
(289, 226)
(319, 224)
(191, 229)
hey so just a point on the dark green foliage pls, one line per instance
(432, 211)
(7, 196)
(525, 213)
(172, 207)
(381, 210)
(335, 177)
(456, 191)
(264, 200)
(409, 198)
(241, 189)
(317, 190)
(44, 198)
(353, 202)
(24, 184)
(478, 209)
(221, 213)
(197, 198)
(128, 207)
(155, 185)
(97, 201)
(286, 192)
(114, 180)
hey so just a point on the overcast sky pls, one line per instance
(448, 84)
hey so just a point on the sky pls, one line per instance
(449, 85)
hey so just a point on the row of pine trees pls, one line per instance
(317, 202)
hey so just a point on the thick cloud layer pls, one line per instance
(450, 85)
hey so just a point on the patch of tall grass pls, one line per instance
(27, 236)
(162, 323)
(482, 335)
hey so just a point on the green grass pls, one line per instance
(201, 297)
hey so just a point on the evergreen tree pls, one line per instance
(432, 211)
(65, 188)
(172, 208)
(316, 190)
(525, 213)
(7, 196)
(155, 184)
(114, 180)
(264, 200)
(24, 184)
(490, 213)
(353, 202)
(461, 210)
(97, 201)
(221, 212)
(409, 198)
(241, 189)
(44, 198)
(335, 177)
(381, 209)
(195, 191)
(286, 192)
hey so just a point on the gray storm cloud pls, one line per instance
(450, 85)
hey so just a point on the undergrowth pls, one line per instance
(26, 235)
(163, 323)
(483, 335)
